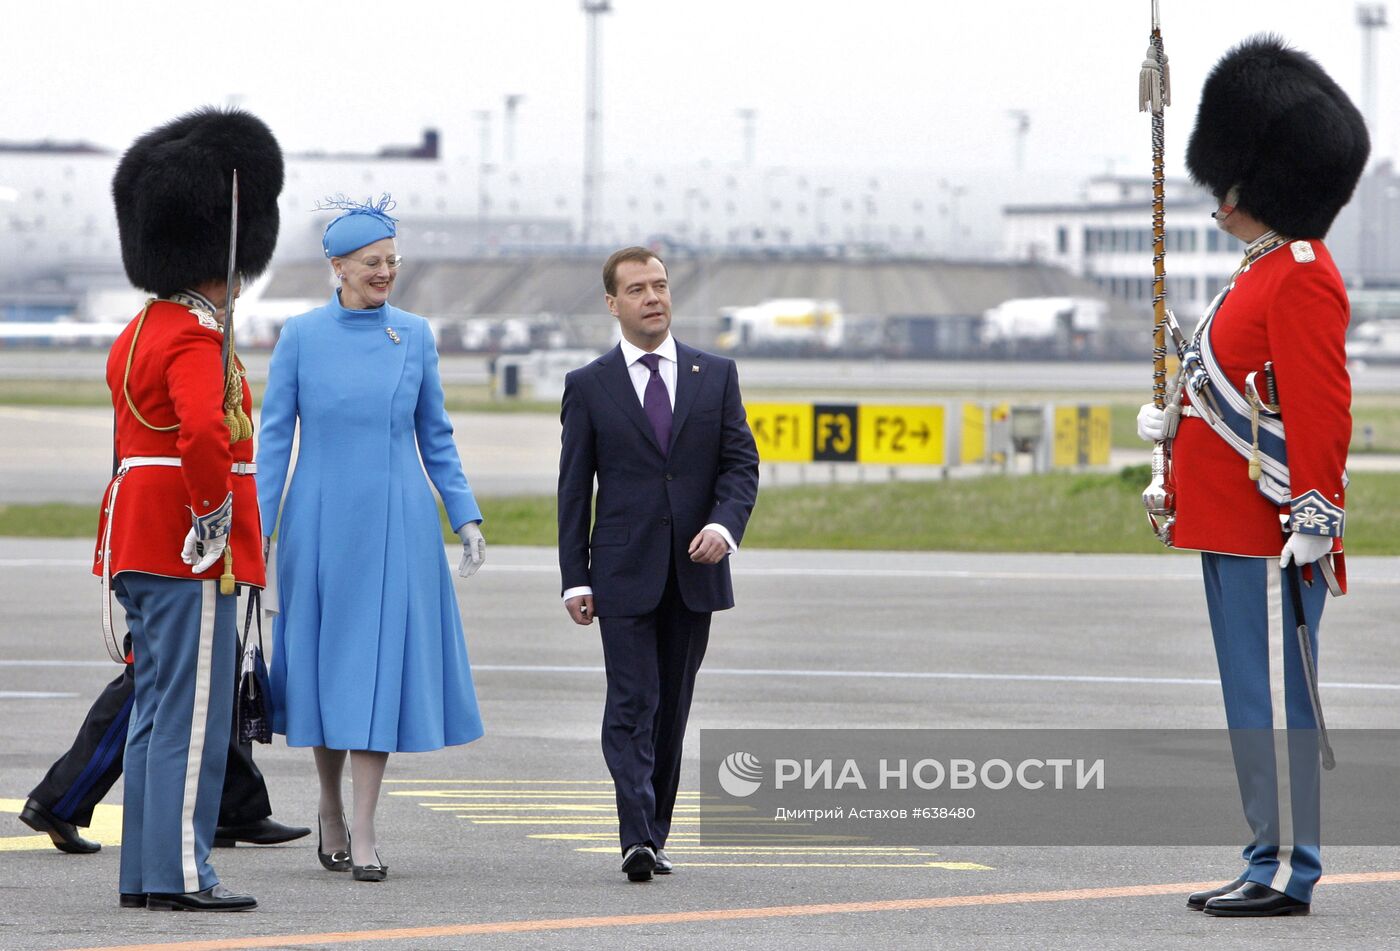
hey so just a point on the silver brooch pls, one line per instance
(695, 368)
(392, 336)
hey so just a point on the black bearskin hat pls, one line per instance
(1274, 125)
(172, 192)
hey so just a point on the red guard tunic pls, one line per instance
(176, 378)
(1290, 307)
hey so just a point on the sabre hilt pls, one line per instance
(227, 582)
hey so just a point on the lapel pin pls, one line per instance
(392, 336)
(695, 368)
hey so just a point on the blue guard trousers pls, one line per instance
(183, 636)
(1261, 674)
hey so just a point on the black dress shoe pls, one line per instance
(337, 861)
(664, 865)
(1252, 900)
(214, 898)
(64, 834)
(1196, 901)
(638, 862)
(133, 900)
(266, 831)
(370, 873)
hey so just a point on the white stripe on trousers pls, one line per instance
(1278, 698)
(199, 715)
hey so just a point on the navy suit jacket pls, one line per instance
(652, 499)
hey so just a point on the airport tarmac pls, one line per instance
(509, 842)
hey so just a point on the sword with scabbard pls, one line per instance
(227, 581)
(1295, 578)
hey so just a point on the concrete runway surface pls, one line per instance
(509, 842)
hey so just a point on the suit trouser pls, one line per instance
(80, 778)
(1261, 675)
(651, 661)
(183, 636)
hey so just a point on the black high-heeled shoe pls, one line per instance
(370, 873)
(337, 861)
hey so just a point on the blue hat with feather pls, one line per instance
(360, 223)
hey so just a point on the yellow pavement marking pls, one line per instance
(691, 849)
(106, 828)
(522, 926)
(567, 804)
(474, 794)
(686, 836)
(503, 782)
(606, 808)
(949, 866)
(591, 820)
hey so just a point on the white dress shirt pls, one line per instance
(666, 369)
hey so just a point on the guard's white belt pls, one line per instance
(109, 636)
(134, 462)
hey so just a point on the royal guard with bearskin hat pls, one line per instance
(1281, 148)
(181, 510)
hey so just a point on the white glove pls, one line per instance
(1304, 549)
(202, 554)
(1151, 423)
(473, 549)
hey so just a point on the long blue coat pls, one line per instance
(368, 651)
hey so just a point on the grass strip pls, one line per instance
(1054, 512)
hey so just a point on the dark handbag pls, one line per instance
(253, 712)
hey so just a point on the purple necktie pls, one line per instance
(657, 402)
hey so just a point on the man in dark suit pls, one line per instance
(663, 428)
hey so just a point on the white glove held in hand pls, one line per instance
(1151, 423)
(473, 549)
(1304, 549)
(202, 554)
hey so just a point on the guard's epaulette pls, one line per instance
(1303, 252)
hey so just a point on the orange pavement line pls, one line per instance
(714, 914)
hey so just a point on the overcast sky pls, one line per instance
(917, 83)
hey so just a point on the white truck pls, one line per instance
(782, 325)
(1063, 325)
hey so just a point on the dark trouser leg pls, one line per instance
(682, 637)
(634, 693)
(79, 779)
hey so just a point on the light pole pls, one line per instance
(483, 198)
(1370, 17)
(513, 101)
(592, 119)
(749, 117)
(1023, 128)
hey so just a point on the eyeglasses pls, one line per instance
(395, 261)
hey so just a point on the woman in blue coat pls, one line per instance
(369, 654)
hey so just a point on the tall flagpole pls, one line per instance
(1154, 95)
